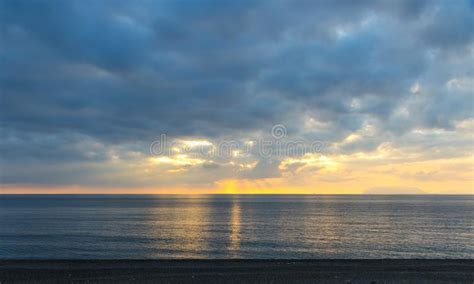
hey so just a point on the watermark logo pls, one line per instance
(157, 147)
(278, 131)
(278, 145)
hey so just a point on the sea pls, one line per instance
(236, 226)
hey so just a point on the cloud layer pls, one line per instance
(86, 86)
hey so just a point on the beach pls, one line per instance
(235, 271)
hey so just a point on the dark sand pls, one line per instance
(249, 271)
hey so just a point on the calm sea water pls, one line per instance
(217, 226)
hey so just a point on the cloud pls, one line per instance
(265, 168)
(83, 82)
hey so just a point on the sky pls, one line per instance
(182, 96)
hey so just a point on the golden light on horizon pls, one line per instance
(355, 173)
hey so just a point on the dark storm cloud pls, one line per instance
(121, 73)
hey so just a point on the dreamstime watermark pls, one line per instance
(279, 145)
(278, 131)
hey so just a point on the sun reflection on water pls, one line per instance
(235, 220)
(183, 230)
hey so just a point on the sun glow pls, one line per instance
(196, 143)
(176, 160)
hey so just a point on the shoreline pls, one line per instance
(212, 271)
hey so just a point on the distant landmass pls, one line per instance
(394, 190)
